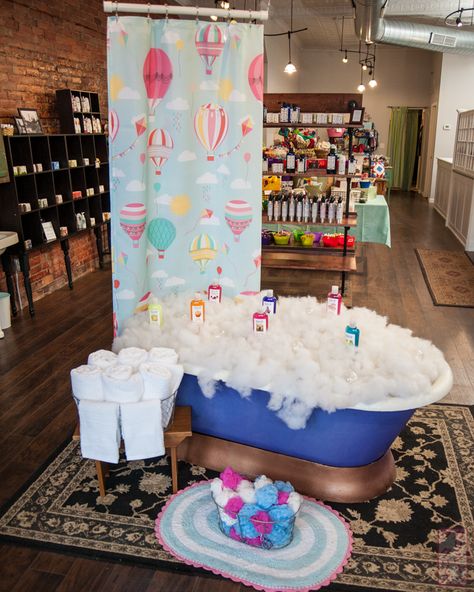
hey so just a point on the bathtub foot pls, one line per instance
(333, 484)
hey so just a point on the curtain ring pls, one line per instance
(166, 15)
(197, 15)
(148, 12)
(250, 17)
(116, 9)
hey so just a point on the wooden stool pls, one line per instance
(177, 432)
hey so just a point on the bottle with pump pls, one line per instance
(299, 209)
(260, 321)
(339, 210)
(292, 208)
(352, 334)
(270, 208)
(352, 166)
(155, 313)
(290, 161)
(269, 301)
(214, 292)
(322, 209)
(276, 208)
(332, 158)
(314, 210)
(341, 164)
(284, 207)
(332, 209)
(334, 301)
(197, 309)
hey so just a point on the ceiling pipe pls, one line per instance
(370, 27)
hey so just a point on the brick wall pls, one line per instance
(47, 45)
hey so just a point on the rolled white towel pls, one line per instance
(177, 373)
(156, 380)
(141, 429)
(121, 385)
(86, 382)
(132, 356)
(163, 355)
(102, 358)
(100, 430)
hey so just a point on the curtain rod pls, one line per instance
(195, 11)
(400, 106)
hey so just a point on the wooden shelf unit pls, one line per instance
(311, 173)
(64, 103)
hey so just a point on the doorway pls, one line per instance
(405, 146)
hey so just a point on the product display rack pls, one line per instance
(46, 184)
(64, 103)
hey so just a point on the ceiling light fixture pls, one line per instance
(361, 86)
(454, 19)
(290, 68)
(345, 59)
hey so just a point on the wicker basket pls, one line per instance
(264, 529)
(167, 410)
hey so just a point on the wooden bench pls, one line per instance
(177, 432)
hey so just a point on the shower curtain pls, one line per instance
(185, 138)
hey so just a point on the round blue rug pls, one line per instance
(187, 527)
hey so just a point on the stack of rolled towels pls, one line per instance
(125, 395)
(259, 513)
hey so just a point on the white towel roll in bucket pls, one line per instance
(86, 382)
(121, 384)
(163, 355)
(156, 380)
(132, 356)
(102, 358)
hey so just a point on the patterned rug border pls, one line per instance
(428, 284)
(158, 564)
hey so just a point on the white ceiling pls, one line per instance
(324, 17)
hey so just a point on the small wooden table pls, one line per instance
(177, 432)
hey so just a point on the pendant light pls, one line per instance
(361, 86)
(345, 59)
(290, 68)
(372, 81)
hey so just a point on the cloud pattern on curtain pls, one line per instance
(185, 137)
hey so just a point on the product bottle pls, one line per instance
(301, 165)
(270, 208)
(306, 209)
(322, 209)
(155, 313)
(351, 167)
(283, 113)
(339, 211)
(334, 301)
(265, 111)
(276, 208)
(291, 208)
(265, 165)
(299, 209)
(332, 210)
(269, 302)
(331, 165)
(290, 162)
(284, 207)
(352, 334)
(214, 292)
(197, 309)
(314, 210)
(260, 321)
(341, 164)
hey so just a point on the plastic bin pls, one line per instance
(5, 316)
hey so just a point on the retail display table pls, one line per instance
(373, 222)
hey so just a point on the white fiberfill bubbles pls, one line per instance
(303, 360)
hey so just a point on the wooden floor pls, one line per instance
(37, 413)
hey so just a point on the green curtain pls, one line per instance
(402, 141)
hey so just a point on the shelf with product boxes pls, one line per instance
(59, 188)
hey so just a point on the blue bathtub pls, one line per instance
(345, 438)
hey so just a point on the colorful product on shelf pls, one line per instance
(267, 237)
(269, 301)
(331, 161)
(155, 313)
(282, 237)
(352, 334)
(214, 292)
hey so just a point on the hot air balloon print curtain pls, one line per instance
(185, 137)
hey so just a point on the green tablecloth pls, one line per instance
(373, 222)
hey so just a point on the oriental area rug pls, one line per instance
(417, 537)
(449, 276)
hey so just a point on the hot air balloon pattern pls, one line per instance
(161, 233)
(202, 250)
(238, 215)
(255, 76)
(209, 44)
(114, 124)
(211, 124)
(133, 221)
(160, 146)
(157, 76)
